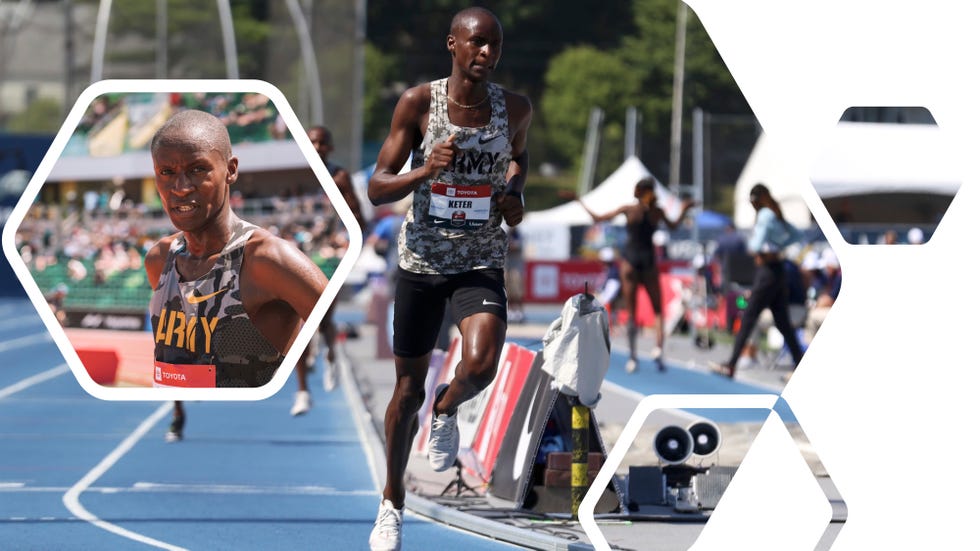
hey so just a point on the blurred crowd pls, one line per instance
(249, 117)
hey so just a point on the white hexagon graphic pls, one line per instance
(299, 147)
(794, 510)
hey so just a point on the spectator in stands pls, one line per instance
(56, 300)
(729, 246)
(824, 296)
(915, 236)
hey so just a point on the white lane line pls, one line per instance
(371, 441)
(216, 489)
(70, 499)
(27, 340)
(33, 380)
(246, 489)
(19, 322)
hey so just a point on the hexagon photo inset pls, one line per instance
(210, 195)
(886, 175)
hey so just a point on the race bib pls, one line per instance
(459, 207)
(183, 375)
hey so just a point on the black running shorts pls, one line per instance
(420, 301)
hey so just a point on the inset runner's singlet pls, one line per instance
(453, 225)
(203, 337)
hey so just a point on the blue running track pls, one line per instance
(80, 473)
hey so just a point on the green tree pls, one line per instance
(194, 40)
(379, 69)
(577, 80)
(707, 82)
(415, 31)
(42, 116)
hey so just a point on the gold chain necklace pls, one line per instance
(472, 106)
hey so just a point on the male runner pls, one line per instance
(468, 142)
(322, 140)
(228, 297)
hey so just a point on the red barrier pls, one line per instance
(133, 351)
(101, 364)
(557, 281)
(515, 365)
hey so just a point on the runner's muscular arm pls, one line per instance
(603, 217)
(572, 196)
(386, 185)
(674, 224)
(511, 205)
(346, 187)
(282, 272)
(154, 260)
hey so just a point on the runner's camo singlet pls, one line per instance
(203, 337)
(453, 226)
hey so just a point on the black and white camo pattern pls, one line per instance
(484, 158)
(242, 356)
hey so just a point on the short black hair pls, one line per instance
(466, 13)
(759, 190)
(646, 182)
(192, 124)
(327, 134)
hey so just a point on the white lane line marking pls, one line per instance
(152, 487)
(27, 340)
(20, 322)
(216, 489)
(371, 441)
(70, 499)
(246, 489)
(33, 380)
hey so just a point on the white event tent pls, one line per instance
(859, 159)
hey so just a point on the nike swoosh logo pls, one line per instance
(488, 303)
(487, 139)
(197, 299)
(525, 441)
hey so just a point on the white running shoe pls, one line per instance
(176, 431)
(443, 438)
(301, 404)
(630, 365)
(329, 375)
(387, 532)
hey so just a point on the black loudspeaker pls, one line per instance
(706, 437)
(673, 444)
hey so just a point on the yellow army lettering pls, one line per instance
(174, 328)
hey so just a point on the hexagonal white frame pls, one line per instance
(47, 165)
(643, 410)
